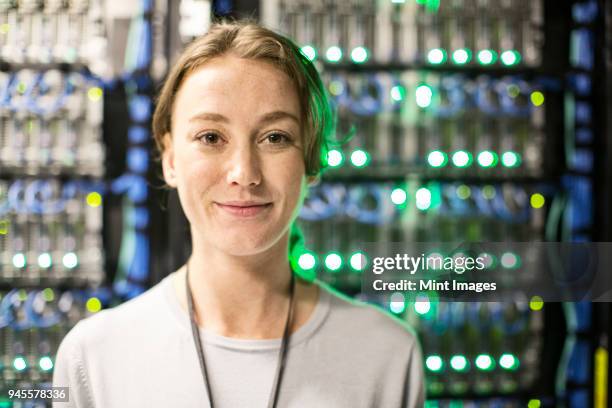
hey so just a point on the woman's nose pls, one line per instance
(244, 167)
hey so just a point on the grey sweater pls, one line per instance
(142, 354)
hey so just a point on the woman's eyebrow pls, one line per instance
(215, 117)
(278, 115)
(267, 118)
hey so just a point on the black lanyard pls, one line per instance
(282, 353)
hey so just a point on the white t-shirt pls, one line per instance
(142, 354)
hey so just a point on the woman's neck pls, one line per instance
(244, 297)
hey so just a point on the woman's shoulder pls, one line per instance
(130, 318)
(366, 321)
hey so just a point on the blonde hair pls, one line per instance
(248, 40)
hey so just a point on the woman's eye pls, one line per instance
(210, 138)
(277, 138)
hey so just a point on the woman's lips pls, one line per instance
(244, 210)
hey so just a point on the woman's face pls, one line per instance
(236, 154)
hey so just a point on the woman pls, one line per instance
(240, 124)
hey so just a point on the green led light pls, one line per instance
(336, 87)
(437, 158)
(423, 198)
(398, 93)
(459, 363)
(310, 52)
(333, 261)
(513, 90)
(22, 294)
(4, 224)
(510, 159)
(510, 57)
(464, 192)
(333, 54)
(93, 305)
(486, 57)
(44, 260)
(488, 192)
(307, 261)
(507, 361)
(398, 196)
(462, 158)
(509, 260)
(485, 362)
(487, 158)
(534, 403)
(335, 158)
(94, 199)
(461, 56)
(70, 260)
(360, 158)
(536, 303)
(537, 200)
(21, 87)
(20, 363)
(358, 261)
(48, 294)
(19, 260)
(45, 363)
(436, 56)
(359, 55)
(537, 98)
(434, 363)
(423, 96)
(95, 93)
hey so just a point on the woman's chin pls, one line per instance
(244, 245)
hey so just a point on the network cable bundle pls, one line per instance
(52, 163)
(456, 111)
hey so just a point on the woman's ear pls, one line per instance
(168, 161)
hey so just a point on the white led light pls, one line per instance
(486, 158)
(435, 56)
(397, 303)
(70, 260)
(333, 54)
(309, 52)
(307, 261)
(422, 306)
(20, 364)
(44, 260)
(423, 96)
(358, 261)
(436, 158)
(434, 363)
(509, 260)
(398, 196)
(359, 55)
(423, 198)
(359, 158)
(45, 363)
(19, 260)
(334, 158)
(461, 158)
(333, 262)
(507, 361)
